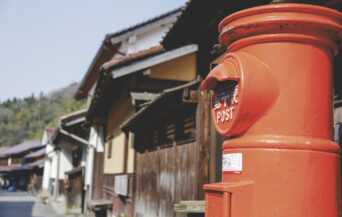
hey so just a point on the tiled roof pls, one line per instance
(132, 56)
(74, 114)
(38, 153)
(22, 147)
(120, 32)
(39, 163)
(29, 166)
(7, 168)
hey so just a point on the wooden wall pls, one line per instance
(121, 205)
(75, 190)
(124, 205)
(165, 176)
(4, 161)
(108, 187)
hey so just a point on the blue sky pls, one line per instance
(45, 44)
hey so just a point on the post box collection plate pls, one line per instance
(224, 105)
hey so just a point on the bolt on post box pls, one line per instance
(272, 97)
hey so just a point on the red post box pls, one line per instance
(272, 96)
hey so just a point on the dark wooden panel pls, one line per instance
(108, 187)
(38, 184)
(186, 179)
(98, 175)
(166, 175)
(61, 188)
(203, 143)
(75, 190)
(4, 162)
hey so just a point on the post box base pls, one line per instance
(276, 182)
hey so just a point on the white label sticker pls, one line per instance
(232, 163)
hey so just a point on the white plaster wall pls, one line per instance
(65, 163)
(47, 164)
(53, 168)
(45, 138)
(143, 41)
(46, 175)
(148, 39)
(96, 138)
(84, 155)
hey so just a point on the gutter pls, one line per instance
(73, 136)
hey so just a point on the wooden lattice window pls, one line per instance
(155, 137)
(189, 127)
(176, 126)
(170, 133)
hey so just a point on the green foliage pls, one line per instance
(23, 119)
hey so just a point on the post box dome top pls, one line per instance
(281, 19)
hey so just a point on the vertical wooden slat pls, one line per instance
(98, 175)
(175, 149)
(126, 153)
(202, 139)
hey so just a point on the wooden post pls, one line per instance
(202, 140)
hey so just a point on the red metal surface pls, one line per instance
(276, 83)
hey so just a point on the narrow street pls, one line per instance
(21, 204)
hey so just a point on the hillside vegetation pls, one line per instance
(22, 119)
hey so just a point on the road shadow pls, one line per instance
(16, 208)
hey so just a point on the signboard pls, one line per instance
(232, 163)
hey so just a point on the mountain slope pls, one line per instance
(22, 119)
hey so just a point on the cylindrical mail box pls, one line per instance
(272, 97)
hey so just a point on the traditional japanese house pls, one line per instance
(71, 141)
(132, 88)
(35, 163)
(17, 170)
(115, 161)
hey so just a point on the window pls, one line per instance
(189, 127)
(178, 126)
(110, 147)
(170, 133)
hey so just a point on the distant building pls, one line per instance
(19, 162)
(50, 164)
(70, 142)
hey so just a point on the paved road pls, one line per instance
(21, 204)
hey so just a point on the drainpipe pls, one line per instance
(89, 171)
(73, 136)
(94, 132)
(57, 173)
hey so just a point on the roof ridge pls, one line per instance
(153, 19)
